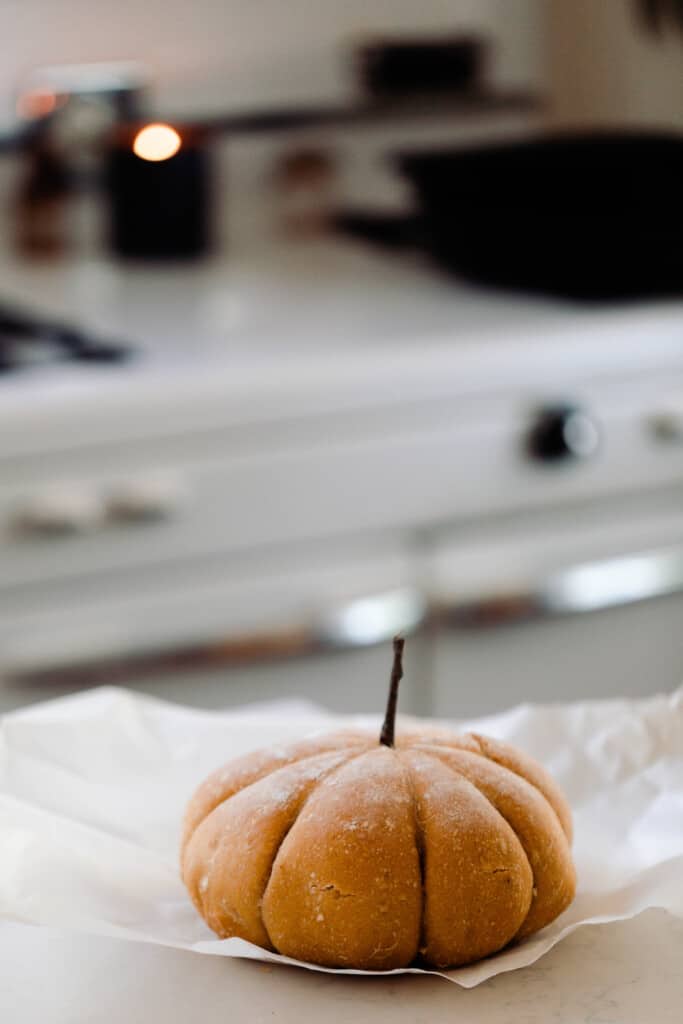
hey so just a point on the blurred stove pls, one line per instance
(26, 340)
(312, 446)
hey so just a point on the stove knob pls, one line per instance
(563, 432)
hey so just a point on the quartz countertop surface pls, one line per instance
(624, 973)
(322, 323)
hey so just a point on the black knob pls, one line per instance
(563, 432)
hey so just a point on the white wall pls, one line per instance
(603, 69)
(231, 52)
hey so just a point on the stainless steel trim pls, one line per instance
(361, 622)
(613, 582)
(578, 589)
(374, 619)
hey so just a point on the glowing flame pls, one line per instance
(156, 142)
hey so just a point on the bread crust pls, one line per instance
(341, 852)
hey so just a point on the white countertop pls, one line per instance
(325, 324)
(625, 973)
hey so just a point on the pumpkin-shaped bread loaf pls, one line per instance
(346, 852)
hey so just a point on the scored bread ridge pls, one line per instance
(346, 886)
(470, 850)
(243, 771)
(533, 821)
(503, 754)
(527, 768)
(228, 859)
(276, 850)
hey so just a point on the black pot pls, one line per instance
(593, 216)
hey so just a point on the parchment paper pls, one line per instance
(93, 788)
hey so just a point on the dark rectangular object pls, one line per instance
(595, 215)
(159, 209)
(421, 66)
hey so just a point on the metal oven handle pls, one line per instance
(376, 618)
(578, 589)
(361, 622)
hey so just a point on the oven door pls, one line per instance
(314, 624)
(588, 606)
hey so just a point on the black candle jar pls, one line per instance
(157, 179)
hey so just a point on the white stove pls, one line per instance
(313, 446)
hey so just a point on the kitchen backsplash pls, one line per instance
(223, 53)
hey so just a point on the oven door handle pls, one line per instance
(375, 619)
(577, 589)
(361, 622)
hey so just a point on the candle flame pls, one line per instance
(156, 142)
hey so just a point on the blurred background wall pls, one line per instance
(603, 69)
(217, 53)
